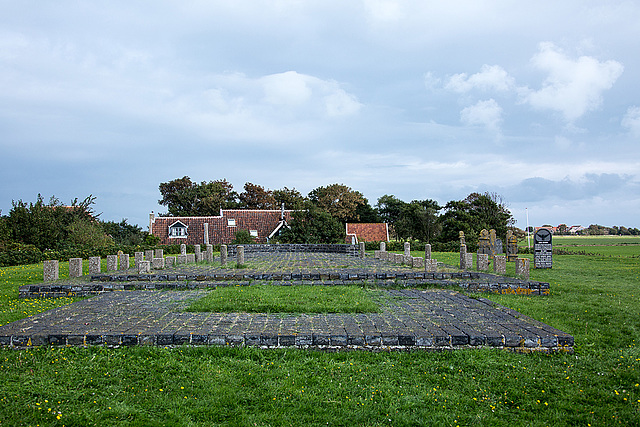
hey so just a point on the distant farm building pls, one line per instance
(367, 232)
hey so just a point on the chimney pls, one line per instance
(282, 212)
(152, 219)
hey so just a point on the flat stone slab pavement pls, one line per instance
(431, 319)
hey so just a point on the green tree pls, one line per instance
(183, 197)
(313, 225)
(390, 208)
(291, 198)
(419, 220)
(124, 233)
(340, 201)
(256, 197)
(367, 213)
(49, 225)
(243, 237)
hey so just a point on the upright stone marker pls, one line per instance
(223, 255)
(138, 257)
(361, 249)
(498, 248)
(469, 262)
(124, 262)
(170, 261)
(75, 267)
(383, 246)
(206, 233)
(512, 247)
(209, 253)
(482, 262)
(94, 264)
(112, 263)
(240, 256)
(198, 253)
(542, 249)
(159, 253)
(407, 249)
(492, 242)
(427, 251)
(500, 264)
(484, 244)
(463, 254)
(51, 270)
(183, 249)
(522, 268)
(157, 263)
(148, 255)
(144, 267)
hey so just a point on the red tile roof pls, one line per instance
(262, 221)
(367, 232)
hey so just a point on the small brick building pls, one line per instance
(262, 225)
(367, 232)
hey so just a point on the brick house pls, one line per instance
(367, 232)
(262, 225)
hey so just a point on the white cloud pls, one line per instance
(573, 87)
(485, 113)
(288, 88)
(631, 120)
(490, 77)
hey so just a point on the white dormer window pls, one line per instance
(178, 229)
(253, 233)
(231, 222)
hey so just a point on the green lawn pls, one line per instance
(287, 299)
(595, 298)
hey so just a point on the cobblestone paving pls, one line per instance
(431, 319)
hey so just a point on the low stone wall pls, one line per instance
(352, 250)
(468, 281)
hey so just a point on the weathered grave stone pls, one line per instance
(51, 270)
(469, 263)
(407, 249)
(181, 259)
(124, 262)
(206, 233)
(112, 263)
(144, 267)
(418, 262)
(492, 242)
(75, 267)
(407, 260)
(170, 261)
(522, 268)
(198, 252)
(512, 247)
(223, 255)
(240, 256)
(484, 245)
(482, 262)
(191, 258)
(431, 265)
(463, 256)
(500, 264)
(148, 255)
(542, 249)
(383, 246)
(159, 253)
(94, 264)
(361, 249)
(398, 258)
(499, 250)
(427, 251)
(183, 249)
(157, 263)
(209, 253)
(137, 258)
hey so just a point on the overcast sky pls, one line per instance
(536, 101)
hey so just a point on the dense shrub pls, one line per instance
(19, 254)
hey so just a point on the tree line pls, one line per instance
(321, 214)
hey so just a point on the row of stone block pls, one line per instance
(499, 263)
(414, 262)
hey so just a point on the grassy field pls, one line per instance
(595, 298)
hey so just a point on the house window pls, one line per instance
(178, 230)
(231, 222)
(253, 233)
